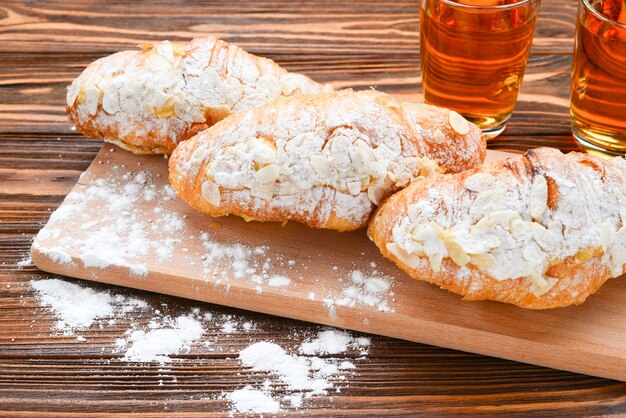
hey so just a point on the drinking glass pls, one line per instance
(598, 96)
(473, 55)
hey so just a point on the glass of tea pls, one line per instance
(598, 101)
(473, 55)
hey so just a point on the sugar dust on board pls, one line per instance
(599, 76)
(473, 60)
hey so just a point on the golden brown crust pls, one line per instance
(399, 143)
(190, 190)
(441, 147)
(149, 100)
(570, 290)
(574, 277)
(147, 143)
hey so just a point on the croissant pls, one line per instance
(148, 101)
(540, 230)
(325, 159)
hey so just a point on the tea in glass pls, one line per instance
(473, 55)
(598, 100)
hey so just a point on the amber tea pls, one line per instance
(473, 55)
(598, 101)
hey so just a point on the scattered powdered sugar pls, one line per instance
(334, 342)
(128, 217)
(239, 255)
(293, 376)
(78, 307)
(118, 233)
(169, 192)
(252, 400)
(57, 254)
(27, 261)
(365, 288)
(305, 375)
(229, 327)
(220, 261)
(123, 235)
(292, 370)
(170, 336)
(64, 212)
(279, 281)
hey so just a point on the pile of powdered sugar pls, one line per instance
(253, 400)
(163, 336)
(305, 373)
(24, 262)
(78, 308)
(313, 369)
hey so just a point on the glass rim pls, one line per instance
(587, 5)
(486, 8)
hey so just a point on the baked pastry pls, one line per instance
(540, 230)
(147, 101)
(325, 159)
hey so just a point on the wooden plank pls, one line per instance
(589, 339)
(294, 28)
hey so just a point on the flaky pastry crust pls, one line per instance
(541, 230)
(149, 100)
(325, 159)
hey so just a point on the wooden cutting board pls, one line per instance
(589, 339)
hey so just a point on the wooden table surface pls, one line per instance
(44, 44)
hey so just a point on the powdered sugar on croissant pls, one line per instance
(147, 101)
(322, 159)
(541, 230)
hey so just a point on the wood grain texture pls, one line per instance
(43, 45)
(59, 375)
(326, 27)
(589, 337)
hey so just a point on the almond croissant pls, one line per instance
(324, 159)
(541, 230)
(148, 101)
